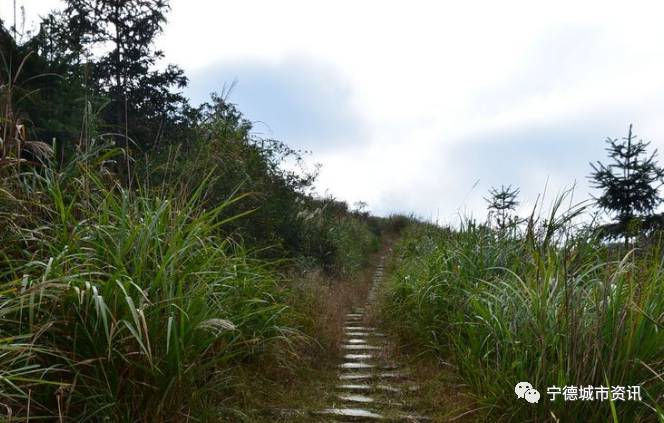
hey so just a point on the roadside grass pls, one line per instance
(286, 393)
(439, 392)
(127, 305)
(442, 396)
(127, 290)
(552, 306)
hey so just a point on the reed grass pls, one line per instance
(127, 292)
(125, 304)
(552, 305)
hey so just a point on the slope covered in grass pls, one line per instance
(131, 304)
(126, 304)
(552, 306)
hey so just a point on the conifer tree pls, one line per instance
(629, 183)
(143, 99)
(502, 202)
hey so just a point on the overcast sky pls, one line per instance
(409, 104)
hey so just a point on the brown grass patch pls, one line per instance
(270, 393)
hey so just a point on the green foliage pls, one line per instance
(16, 147)
(137, 299)
(240, 161)
(136, 304)
(551, 308)
(144, 102)
(353, 243)
(502, 204)
(338, 240)
(283, 220)
(628, 183)
(126, 305)
(397, 223)
(55, 87)
(69, 70)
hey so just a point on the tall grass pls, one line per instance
(336, 239)
(140, 301)
(125, 305)
(552, 306)
(353, 242)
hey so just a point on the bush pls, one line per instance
(337, 239)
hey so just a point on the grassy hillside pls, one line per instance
(141, 303)
(553, 306)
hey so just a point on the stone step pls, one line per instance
(365, 380)
(358, 356)
(366, 334)
(387, 388)
(364, 399)
(348, 333)
(355, 398)
(369, 376)
(356, 365)
(366, 387)
(360, 347)
(351, 412)
(361, 414)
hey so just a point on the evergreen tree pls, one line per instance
(55, 77)
(629, 183)
(502, 202)
(143, 100)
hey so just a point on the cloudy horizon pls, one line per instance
(422, 107)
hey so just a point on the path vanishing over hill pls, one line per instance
(365, 381)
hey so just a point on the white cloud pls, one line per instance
(436, 81)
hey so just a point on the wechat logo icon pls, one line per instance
(526, 391)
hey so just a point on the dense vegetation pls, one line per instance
(153, 250)
(149, 248)
(553, 301)
(550, 304)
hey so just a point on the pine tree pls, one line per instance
(143, 100)
(630, 183)
(503, 203)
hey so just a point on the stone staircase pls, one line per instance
(370, 387)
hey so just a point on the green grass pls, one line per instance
(126, 304)
(552, 306)
(353, 242)
(144, 290)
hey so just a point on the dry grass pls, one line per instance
(441, 394)
(273, 394)
(327, 300)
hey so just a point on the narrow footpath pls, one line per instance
(370, 386)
